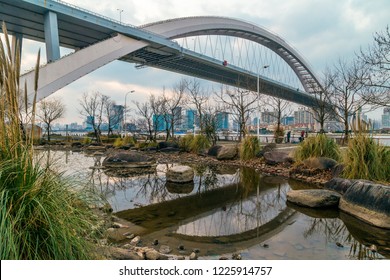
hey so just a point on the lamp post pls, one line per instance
(258, 96)
(124, 113)
(120, 15)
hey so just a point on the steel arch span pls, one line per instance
(211, 25)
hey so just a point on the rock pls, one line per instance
(179, 187)
(155, 242)
(236, 256)
(128, 159)
(338, 244)
(180, 174)
(369, 202)
(170, 150)
(339, 185)
(227, 152)
(267, 148)
(314, 198)
(193, 256)
(322, 163)
(223, 258)
(164, 249)
(151, 254)
(114, 235)
(276, 157)
(135, 241)
(123, 254)
(164, 145)
(214, 150)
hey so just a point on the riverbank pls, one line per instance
(124, 239)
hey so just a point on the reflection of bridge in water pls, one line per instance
(246, 215)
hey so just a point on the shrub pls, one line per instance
(118, 143)
(250, 147)
(200, 143)
(87, 140)
(318, 146)
(279, 135)
(185, 142)
(366, 159)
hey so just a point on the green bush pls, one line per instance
(118, 143)
(87, 140)
(186, 142)
(366, 159)
(199, 143)
(249, 148)
(318, 146)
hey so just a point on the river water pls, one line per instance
(227, 210)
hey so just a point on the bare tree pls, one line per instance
(278, 110)
(323, 110)
(347, 88)
(92, 108)
(198, 97)
(170, 105)
(241, 103)
(50, 110)
(377, 59)
(112, 115)
(145, 111)
(155, 105)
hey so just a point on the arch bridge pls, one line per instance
(98, 40)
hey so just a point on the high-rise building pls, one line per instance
(268, 117)
(191, 119)
(222, 121)
(303, 117)
(386, 118)
(116, 117)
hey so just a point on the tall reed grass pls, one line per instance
(366, 159)
(42, 215)
(318, 146)
(250, 147)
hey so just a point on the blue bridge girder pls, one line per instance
(78, 29)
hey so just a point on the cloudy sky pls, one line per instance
(322, 31)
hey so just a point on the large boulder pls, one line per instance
(180, 174)
(276, 157)
(322, 163)
(167, 144)
(128, 159)
(369, 202)
(314, 198)
(214, 150)
(227, 152)
(267, 148)
(339, 185)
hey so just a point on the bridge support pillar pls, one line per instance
(51, 37)
(17, 39)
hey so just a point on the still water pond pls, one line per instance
(228, 210)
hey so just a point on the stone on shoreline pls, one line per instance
(227, 152)
(369, 202)
(180, 174)
(339, 185)
(321, 163)
(276, 157)
(128, 159)
(314, 198)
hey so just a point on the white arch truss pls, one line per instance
(211, 25)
